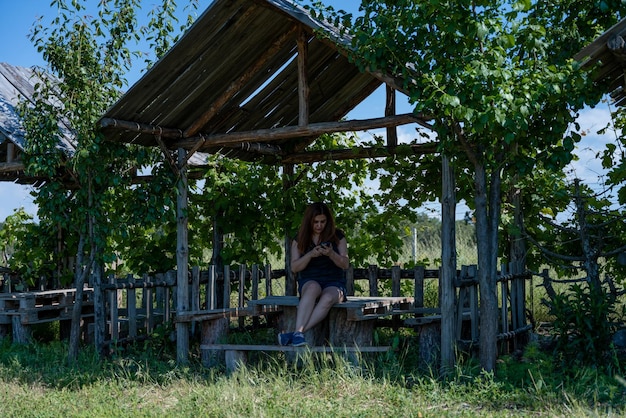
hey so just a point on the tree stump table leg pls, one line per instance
(213, 331)
(235, 359)
(430, 345)
(349, 333)
(21, 332)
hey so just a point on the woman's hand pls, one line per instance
(324, 250)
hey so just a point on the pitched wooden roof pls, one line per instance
(608, 52)
(251, 79)
(16, 84)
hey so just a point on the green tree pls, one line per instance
(498, 78)
(87, 56)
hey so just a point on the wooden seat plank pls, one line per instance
(289, 348)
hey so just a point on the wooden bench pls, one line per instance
(21, 310)
(236, 355)
(349, 325)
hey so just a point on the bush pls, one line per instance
(585, 319)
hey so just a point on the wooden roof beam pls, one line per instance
(175, 139)
(289, 132)
(357, 153)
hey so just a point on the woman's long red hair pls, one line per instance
(305, 233)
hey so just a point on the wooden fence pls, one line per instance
(134, 306)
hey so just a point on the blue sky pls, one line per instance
(16, 49)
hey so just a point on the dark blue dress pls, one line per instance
(323, 270)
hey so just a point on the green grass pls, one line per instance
(145, 381)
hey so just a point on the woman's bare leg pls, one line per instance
(310, 292)
(329, 297)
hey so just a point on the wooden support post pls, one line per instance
(195, 294)
(461, 302)
(234, 359)
(430, 345)
(182, 261)
(10, 151)
(448, 266)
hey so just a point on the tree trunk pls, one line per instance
(80, 273)
(99, 311)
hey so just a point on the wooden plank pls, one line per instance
(210, 314)
(289, 348)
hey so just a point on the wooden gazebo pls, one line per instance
(253, 80)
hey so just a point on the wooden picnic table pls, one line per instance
(349, 323)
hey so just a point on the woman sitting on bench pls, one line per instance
(319, 254)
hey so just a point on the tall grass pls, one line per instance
(35, 381)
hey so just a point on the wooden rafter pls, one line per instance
(303, 79)
(262, 135)
(236, 85)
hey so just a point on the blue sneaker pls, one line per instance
(285, 338)
(298, 339)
